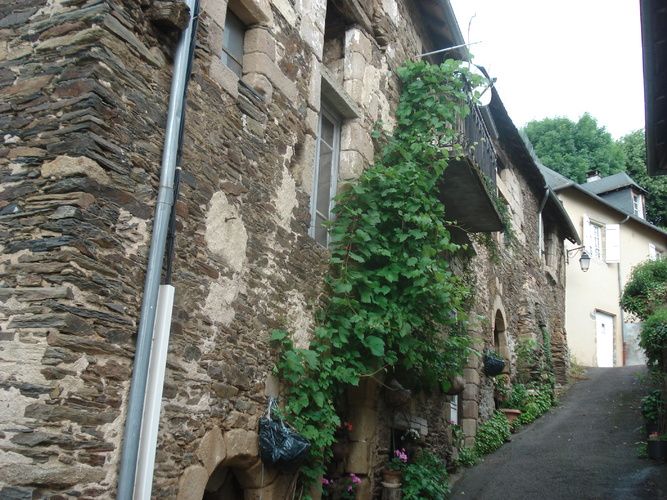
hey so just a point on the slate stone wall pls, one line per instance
(84, 90)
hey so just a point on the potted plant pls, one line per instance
(341, 487)
(393, 469)
(657, 446)
(653, 410)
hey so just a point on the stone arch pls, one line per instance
(229, 467)
(500, 336)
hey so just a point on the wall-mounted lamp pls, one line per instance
(584, 260)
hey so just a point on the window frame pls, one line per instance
(326, 113)
(231, 29)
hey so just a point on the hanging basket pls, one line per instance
(493, 364)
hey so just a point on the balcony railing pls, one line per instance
(469, 182)
(476, 143)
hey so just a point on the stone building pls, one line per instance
(85, 90)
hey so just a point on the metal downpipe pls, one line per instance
(165, 200)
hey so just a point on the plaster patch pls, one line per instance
(221, 295)
(285, 200)
(226, 234)
(300, 321)
(134, 231)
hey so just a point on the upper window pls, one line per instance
(325, 181)
(593, 238)
(638, 205)
(232, 43)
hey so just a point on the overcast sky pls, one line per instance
(561, 58)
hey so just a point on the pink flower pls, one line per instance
(355, 479)
(326, 481)
(349, 488)
(401, 454)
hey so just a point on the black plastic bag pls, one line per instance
(493, 365)
(280, 445)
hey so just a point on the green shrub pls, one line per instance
(492, 434)
(425, 478)
(652, 406)
(653, 337)
(647, 288)
(467, 458)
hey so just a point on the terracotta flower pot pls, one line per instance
(511, 414)
(392, 478)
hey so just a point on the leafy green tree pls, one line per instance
(634, 149)
(573, 149)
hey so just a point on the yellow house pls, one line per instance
(609, 215)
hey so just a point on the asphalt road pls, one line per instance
(585, 448)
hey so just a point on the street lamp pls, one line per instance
(584, 260)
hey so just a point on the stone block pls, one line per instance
(241, 447)
(260, 63)
(314, 97)
(351, 165)
(224, 77)
(356, 41)
(67, 166)
(470, 409)
(472, 376)
(311, 122)
(469, 426)
(260, 40)
(53, 477)
(216, 10)
(212, 449)
(471, 392)
(355, 89)
(192, 483)
(354, 137)
(354, 66)
(312, 35)
(277, 489)
(358, 461)
(363, 395)
(363, 489)
(251, 478)
(253, 11)
(364, 423)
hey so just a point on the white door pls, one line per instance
(604, 335)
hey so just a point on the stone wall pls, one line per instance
(84, 90)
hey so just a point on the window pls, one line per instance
(593, 238)
(654, 253)
(232, 43)
(637, 205)
(325, 179)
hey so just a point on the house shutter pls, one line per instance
(613, 236)
(588, 235)
(652, 253)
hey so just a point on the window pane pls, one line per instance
(328, 130)
(232, 42)
(326, 175)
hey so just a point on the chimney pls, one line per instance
(593, 175)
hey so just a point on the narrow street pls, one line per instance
(583, 449)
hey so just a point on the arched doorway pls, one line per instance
(223, 485)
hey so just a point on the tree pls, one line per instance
(573, 149)
(634, 149)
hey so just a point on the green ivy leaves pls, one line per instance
(395, 302)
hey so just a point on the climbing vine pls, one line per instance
(395, 301)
